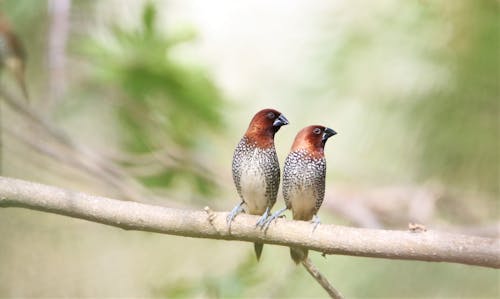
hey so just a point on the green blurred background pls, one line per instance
(146, 100)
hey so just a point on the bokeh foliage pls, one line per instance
(239, 281)
(460, 121)
(433, 66)
(162, 104)
(429, 68)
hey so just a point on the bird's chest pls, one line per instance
(254, 181)
(302, 201)
(303, 184)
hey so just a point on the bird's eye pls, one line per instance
(317, 131)
(271, 115)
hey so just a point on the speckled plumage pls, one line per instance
(256, 170)
(304, 184)
(304, 177)
(256, 175)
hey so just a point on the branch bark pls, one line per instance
(329, 239)
(321, 279)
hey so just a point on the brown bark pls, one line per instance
(429, 245)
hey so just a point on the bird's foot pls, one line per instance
(263, 218)
(236, 210)
(274, 216)
(316, 221)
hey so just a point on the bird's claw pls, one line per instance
(266, 223)
(263, 218)
(316, 221)
(273, 217)
(235, 211)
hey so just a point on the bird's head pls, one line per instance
(312, 139)
(264, 125)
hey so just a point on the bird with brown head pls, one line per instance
(304, 179)
(256, 170)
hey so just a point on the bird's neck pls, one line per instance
(261, 138)
(311, 150)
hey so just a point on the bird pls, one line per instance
(304, 179)
(256, 169)
(12, 54)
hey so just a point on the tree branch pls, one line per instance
(321, 279)
(329, 239)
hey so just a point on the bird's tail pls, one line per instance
(298, 254)
(258, 249)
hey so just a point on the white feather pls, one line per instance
(253, 185)
(303, 202)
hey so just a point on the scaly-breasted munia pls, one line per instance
(256, 170)
(12, 54)
(304, 178)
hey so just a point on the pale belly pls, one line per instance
(253, 190)
(303, 203)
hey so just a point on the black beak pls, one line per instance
(280, 121)
(327, 134)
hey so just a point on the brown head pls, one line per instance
(312, 139)
(264, 125)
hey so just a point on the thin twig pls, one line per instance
(67, 157)
(75, 154)
(429, 246)
(321, 279)
(78, 155)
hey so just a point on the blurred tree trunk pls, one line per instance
(59, 13)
